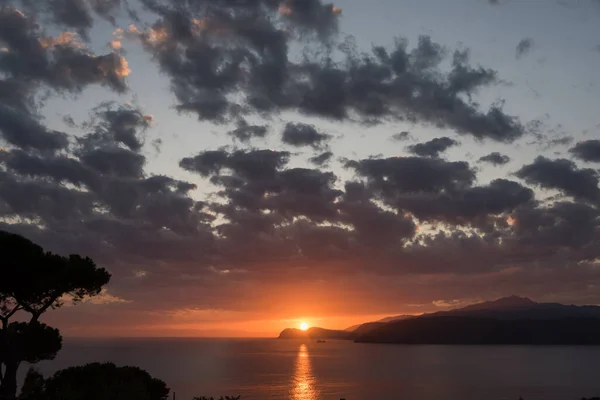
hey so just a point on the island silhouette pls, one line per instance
(509, 320)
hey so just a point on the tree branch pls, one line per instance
(35, 314)
(12, 312)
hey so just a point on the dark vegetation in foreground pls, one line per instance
(97, 381)
(33, 282)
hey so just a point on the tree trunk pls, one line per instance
(8, 388)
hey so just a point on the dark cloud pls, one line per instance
(564, 224)
(408, 85)
(401, 136)
(122, 125)
(115, 161)
(234, 62)
(495, 158)
(470, 205)
(563, 175)
(261, 215)
(524, 47)
(245, 132)
(213, 49)
(108, 9)
(435, 190)
(62, 63)
(588, 150)
(398, 175)
(59, 169)
(253, 164)
(374, 226)
(321, 159)
(71, 14)
(432, 148)
(300, 134)
(304, 192)
(21, 129)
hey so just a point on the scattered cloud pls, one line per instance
(495, 159)
(432, 148)
(524, 47)
(588, 150)
(300, 134)
(228, 218)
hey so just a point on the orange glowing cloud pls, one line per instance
(285, 9)
(157, 35)
(64, 39)
(115, 45)
(123, 69)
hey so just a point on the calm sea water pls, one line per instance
(266, 369)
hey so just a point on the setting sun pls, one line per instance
(303, 326)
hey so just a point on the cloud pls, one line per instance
(524, 47)
(321, 159)
(400, 84)
(588, 150)
(495, 158)
(401, 136)
(467, 206)
(252, 164)
(413, 174)
(225, 62)
(300, 134)
(245, 132)
(105, 298)
(72, 14)
(432, 148)
(560, 141)
(23, 130)
(121, 124)
(114, 161)
(409, 226)
(435, 190)
(63, 63)
(563, 175)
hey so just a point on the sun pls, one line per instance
(303, 326)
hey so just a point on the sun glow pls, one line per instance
(303, 326)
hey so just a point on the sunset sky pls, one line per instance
(241, 166)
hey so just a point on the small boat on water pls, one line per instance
(320, 341)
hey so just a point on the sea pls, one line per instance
(269, 369)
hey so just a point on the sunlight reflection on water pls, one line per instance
(303, 381)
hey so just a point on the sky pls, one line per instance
(240, 166)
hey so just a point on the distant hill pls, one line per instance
(387, 319)
(366, 328)
(509, 320)
(472, 330)
(515, 307)
(314, 333)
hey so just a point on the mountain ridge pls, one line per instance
(506, 316)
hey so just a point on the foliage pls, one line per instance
(220, 398)
(29, 342)
(33, 387)
(98, 381)
(32, 281)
